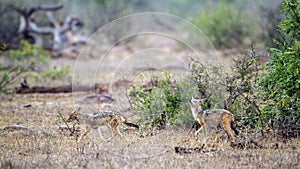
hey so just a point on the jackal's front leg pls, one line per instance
(203, 126)
(88, 129)
(100, 133)
(196, 133)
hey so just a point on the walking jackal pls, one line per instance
(98, 119)
(213, 119)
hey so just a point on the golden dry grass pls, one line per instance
(47, 147)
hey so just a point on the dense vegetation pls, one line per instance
(281, 80)
(263, 97)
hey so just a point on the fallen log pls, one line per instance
(98, 88)
(16, 127)
(57, 89)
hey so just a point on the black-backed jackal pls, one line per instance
(98, 119)
(213, 118)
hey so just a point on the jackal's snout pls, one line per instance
(72, 117)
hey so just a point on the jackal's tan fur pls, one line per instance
(98, 119)
(213, 118)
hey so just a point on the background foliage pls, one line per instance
(237, 21)
(19, 63)
(226, 25)
(28, 61)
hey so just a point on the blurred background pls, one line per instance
(40, 40)
(227, 23)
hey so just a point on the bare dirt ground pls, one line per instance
(43, 145)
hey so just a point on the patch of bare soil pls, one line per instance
(34, 141)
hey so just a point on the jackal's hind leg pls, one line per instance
(110, 128)
(228, 131)
(114, 125)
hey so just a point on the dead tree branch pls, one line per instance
(65, 35)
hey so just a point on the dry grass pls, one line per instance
(47, 147)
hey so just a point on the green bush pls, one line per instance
(55, 73)
(225, 25)
(281, 81)
(27, 53)
(19, 63)
(24, 62)
(159, 104)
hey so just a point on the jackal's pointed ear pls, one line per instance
(191, 101)
(202, 100)
(77, 109)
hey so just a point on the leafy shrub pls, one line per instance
(27, 53)
(55, 73)
(225, 26)
(19, 63)
(23, 62)
(281, 82)
(159, 104)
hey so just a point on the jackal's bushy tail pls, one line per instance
(131, 124)
(236, 132)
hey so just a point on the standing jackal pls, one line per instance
(98, 119)
(213, 118)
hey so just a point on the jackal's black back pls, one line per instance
(103, 114)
